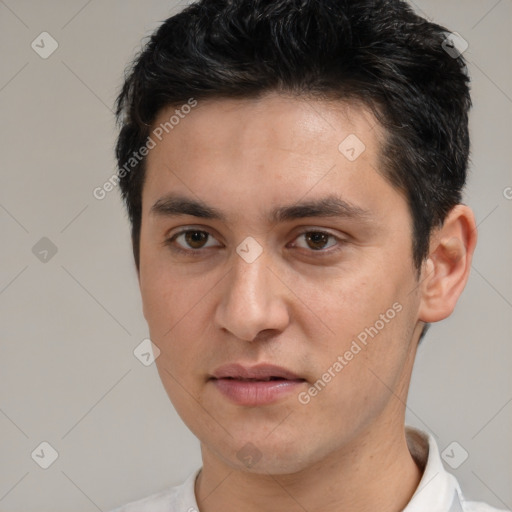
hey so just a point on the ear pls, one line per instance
(446, 270)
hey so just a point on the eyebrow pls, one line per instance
(330, 206)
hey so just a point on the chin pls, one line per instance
(261, 455)
(272, 464)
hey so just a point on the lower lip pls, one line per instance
(244, 392)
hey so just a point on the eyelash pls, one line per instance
(188, 252)
(198, 252)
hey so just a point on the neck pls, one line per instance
(376, 472)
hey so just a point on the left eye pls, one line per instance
(316, 240)
(194, 239)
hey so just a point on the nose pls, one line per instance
(253, 301)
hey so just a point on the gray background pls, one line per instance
(69, 324)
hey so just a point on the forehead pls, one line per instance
(274, 119)
(277, 147)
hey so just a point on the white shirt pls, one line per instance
(438, 490)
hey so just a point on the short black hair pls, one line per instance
(376, 52)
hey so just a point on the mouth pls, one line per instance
(257, 385)
(261, 372)
(267, 379)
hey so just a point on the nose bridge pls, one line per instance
(252, 301)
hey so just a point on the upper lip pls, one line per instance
(258, 372)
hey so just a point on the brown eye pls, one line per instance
(192, 240)
(196, 239)
(317, 240)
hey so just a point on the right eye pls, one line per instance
(192, 240)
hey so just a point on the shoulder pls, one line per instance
(175, 499)
(158, 502)
(478, 506)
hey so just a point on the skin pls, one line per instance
(299, 305)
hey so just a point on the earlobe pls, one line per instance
(446, 270)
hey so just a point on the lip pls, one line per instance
(251, 386)
(259, 372)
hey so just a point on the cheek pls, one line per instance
(367, 376)
(369, 319)
(165, 296)
(383, 357)
(178, 315)
(344, 305)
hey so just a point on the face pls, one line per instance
(273, 248)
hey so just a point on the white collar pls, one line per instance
(438, 490)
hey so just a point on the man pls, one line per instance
(293, 173)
